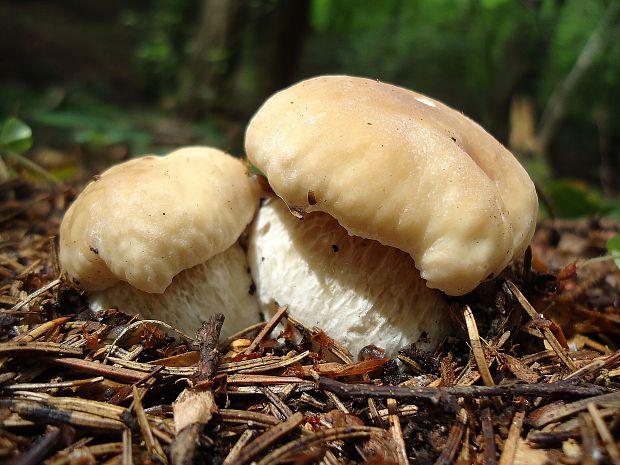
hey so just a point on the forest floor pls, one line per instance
(533, 376)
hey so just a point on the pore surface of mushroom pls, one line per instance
(401, 168)
(356, 290)
(158, 236)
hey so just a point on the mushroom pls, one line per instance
(356, 290)
(388, 165)
(159, 236)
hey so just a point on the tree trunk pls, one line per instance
(202, 77)
(557, 104)
(241, 53)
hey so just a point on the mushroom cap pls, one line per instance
(145, 220)
(401, 168)
(357, 290)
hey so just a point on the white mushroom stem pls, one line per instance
(221, 284)
(357, 290)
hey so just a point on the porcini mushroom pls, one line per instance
(393, 166)
(356, 290)
(159, 236)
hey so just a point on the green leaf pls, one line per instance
(15, 136)
(613, 247)
(572, 199)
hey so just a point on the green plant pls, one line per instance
(613, 253)
(613, 247)
(15, 136)
(15, 140)
(573, 199)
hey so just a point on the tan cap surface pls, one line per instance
(146, 220)
(401, 168)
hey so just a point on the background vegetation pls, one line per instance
(102, 81)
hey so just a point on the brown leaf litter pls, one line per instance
(532, 377)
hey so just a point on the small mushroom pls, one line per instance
(159, 236)
(392, 166)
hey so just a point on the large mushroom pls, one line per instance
(159, 236)
(390, 165)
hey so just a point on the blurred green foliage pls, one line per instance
(573, 199)
(162, 37)
(613, 247)
(174, 72)
(474, 54)
(15, 136)
(106, 126)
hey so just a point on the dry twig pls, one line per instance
(476, 347)
(267, 329)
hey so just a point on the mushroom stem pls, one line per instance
(357, 290)
(221, 284)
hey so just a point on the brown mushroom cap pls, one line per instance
(146, 220)
(401, 168)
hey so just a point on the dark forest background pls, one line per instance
(102, 81)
